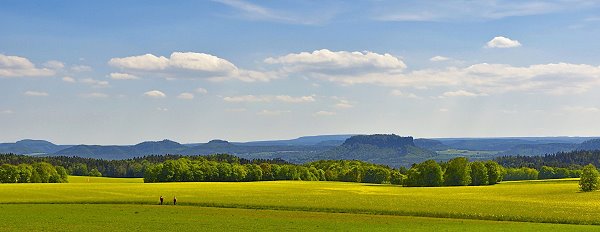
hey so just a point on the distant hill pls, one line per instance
(123, 152)
(302, 141)
(539, 149)
(391, 150)
(431, 144)
(30, 146)
(593, 144)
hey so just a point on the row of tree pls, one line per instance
(186, 170)
(41, 172)
(135, 167)
(456, 172)
(573, 160)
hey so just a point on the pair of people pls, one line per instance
(174, 200)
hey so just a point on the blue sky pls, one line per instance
(120, 72)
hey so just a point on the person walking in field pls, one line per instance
(174, 200)
(161, 200)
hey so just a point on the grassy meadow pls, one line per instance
(101, 203)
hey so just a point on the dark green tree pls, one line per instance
(590, 179)
(458, 172)
(479, 173)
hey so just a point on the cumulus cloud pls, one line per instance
(343, 104)
(268, 98)
(201, 91)
(462, 93)
(95, 83)
(81, 68)
(189, 64)
(186, 96)
(6, 112)
(54, 64)
(324, 113)
(16, 66)
(438, 58)
(68, 79)
(553, 78)
(399, 93)
(155, 94)
(290, 99)
(502, 42)
(35, 93)
(123, 76)
(325, 59)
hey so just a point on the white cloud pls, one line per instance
(95, 83)
(6, 112)
(553, 78)
(438, 58)
(290, 99)
(201, 91)
(273, 112)
(69, 79)
(54, 64)
(399, 93)
(147, 62)
(35, 94)
(15, 66)
(189, 65)
(343, 104)
(95, 95)
(186, 96)
(581, 109)
(162, 109)
(324, 113)
(155, 94)
(81, 68)
(325, 59)
(246, 98)
(462, 93)
(123, 76)
(268, 98)
(502, 42)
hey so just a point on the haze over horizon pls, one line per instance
(114, 72)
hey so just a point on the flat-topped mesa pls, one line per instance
(381, 140)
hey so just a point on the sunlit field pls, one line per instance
(554, 201)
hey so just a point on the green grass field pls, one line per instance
(112, 203)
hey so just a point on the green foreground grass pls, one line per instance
(309, 204)
(85, 217)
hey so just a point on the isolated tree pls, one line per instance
(479, 173)
(457, 172)
(590, 179)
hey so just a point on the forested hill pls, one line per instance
(574, 160)
(380, 140)
(391, 150)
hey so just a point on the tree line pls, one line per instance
(40, 172)
(135, 167)
(573, 160)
